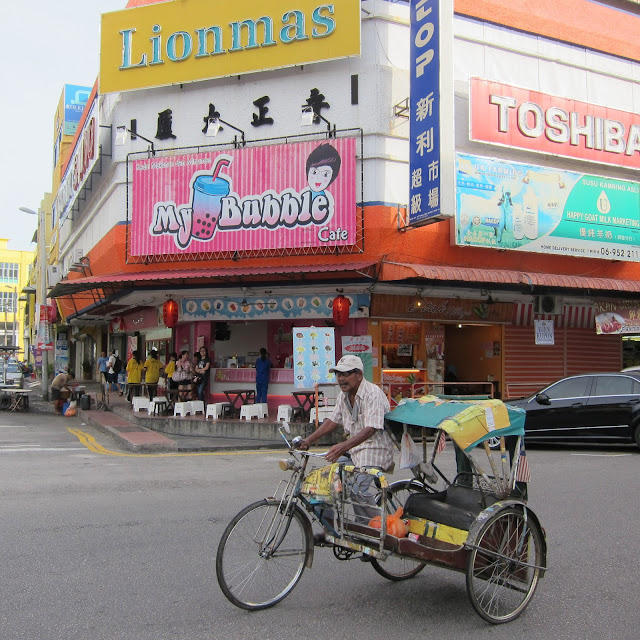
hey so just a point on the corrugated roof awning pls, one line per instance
(404, 271)
(205, 276)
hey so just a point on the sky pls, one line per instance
(45, 45)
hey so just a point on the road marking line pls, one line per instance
(601, 455)
(13, 426)
(43, 449)
(92, 444)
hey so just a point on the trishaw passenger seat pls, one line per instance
(459, 508)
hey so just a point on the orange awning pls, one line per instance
(392, 271)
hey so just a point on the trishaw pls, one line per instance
(477, 523)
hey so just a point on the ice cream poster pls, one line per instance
(314, 353)
(509, 205)
(270, 197)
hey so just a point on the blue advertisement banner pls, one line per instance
(314, 354)
(270, 307)
(510, 205)
(424, 112)
(75, 99)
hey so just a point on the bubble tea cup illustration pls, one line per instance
(208, 191)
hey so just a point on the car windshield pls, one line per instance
(13, 368)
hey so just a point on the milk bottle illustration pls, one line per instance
(518, 221)
(530, 204)
(208, 191)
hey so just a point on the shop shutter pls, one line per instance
(529, 367)
(587, 351)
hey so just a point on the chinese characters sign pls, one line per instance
(431, 111)
(279, 196)
(178, 42)
(509, 205)
(515, 117)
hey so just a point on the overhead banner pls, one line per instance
(516, 117)
(188, 40)
(431, 132)
(269, 307)
(509, 205)
(272, 197)
(617, 316)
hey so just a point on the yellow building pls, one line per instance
(15, 267)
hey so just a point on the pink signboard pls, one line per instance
(279, 196)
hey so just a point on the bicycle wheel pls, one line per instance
(502, 571)
(262, 554)
(394, 567)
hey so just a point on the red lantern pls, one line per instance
(170, 313)
(340, 310)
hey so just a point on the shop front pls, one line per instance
(235, 329)
(438, 345)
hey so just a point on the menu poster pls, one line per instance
(361, 346)
(314, 353)
(400, 332)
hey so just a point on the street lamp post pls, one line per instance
(42, 292)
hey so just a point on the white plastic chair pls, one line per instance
(213, 411)
(285, 412)
(248, 411)
(323, 412)
(182, 409)
(261, 409)
(158, 401)
(197, 406)
(139, 402)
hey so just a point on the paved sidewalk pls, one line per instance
(129, 429)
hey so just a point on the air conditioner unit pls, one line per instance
(54, 275)
(551, 305)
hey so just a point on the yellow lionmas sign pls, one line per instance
(188, 40)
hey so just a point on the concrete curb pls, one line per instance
(133, 437)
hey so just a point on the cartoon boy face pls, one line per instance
(319, 177)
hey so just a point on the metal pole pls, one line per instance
(43, 296)
(15, 317)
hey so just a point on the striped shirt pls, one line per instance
(368, 411)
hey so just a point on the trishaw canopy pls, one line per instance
(467, 422)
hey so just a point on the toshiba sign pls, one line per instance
(515, 117)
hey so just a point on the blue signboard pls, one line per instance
(75, 99)
(425, 105)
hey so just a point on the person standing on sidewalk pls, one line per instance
(103, 367)
(114, 367)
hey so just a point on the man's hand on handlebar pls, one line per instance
(301, 444)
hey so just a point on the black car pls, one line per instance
(595, 407)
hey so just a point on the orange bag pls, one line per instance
(396, 526)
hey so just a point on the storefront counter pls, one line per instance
(280, 384)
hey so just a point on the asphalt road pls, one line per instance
(99, 544)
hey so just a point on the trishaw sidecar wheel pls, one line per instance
(394, 567)
(262, 554)
(503, 567)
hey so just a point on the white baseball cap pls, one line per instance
(347, 363)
